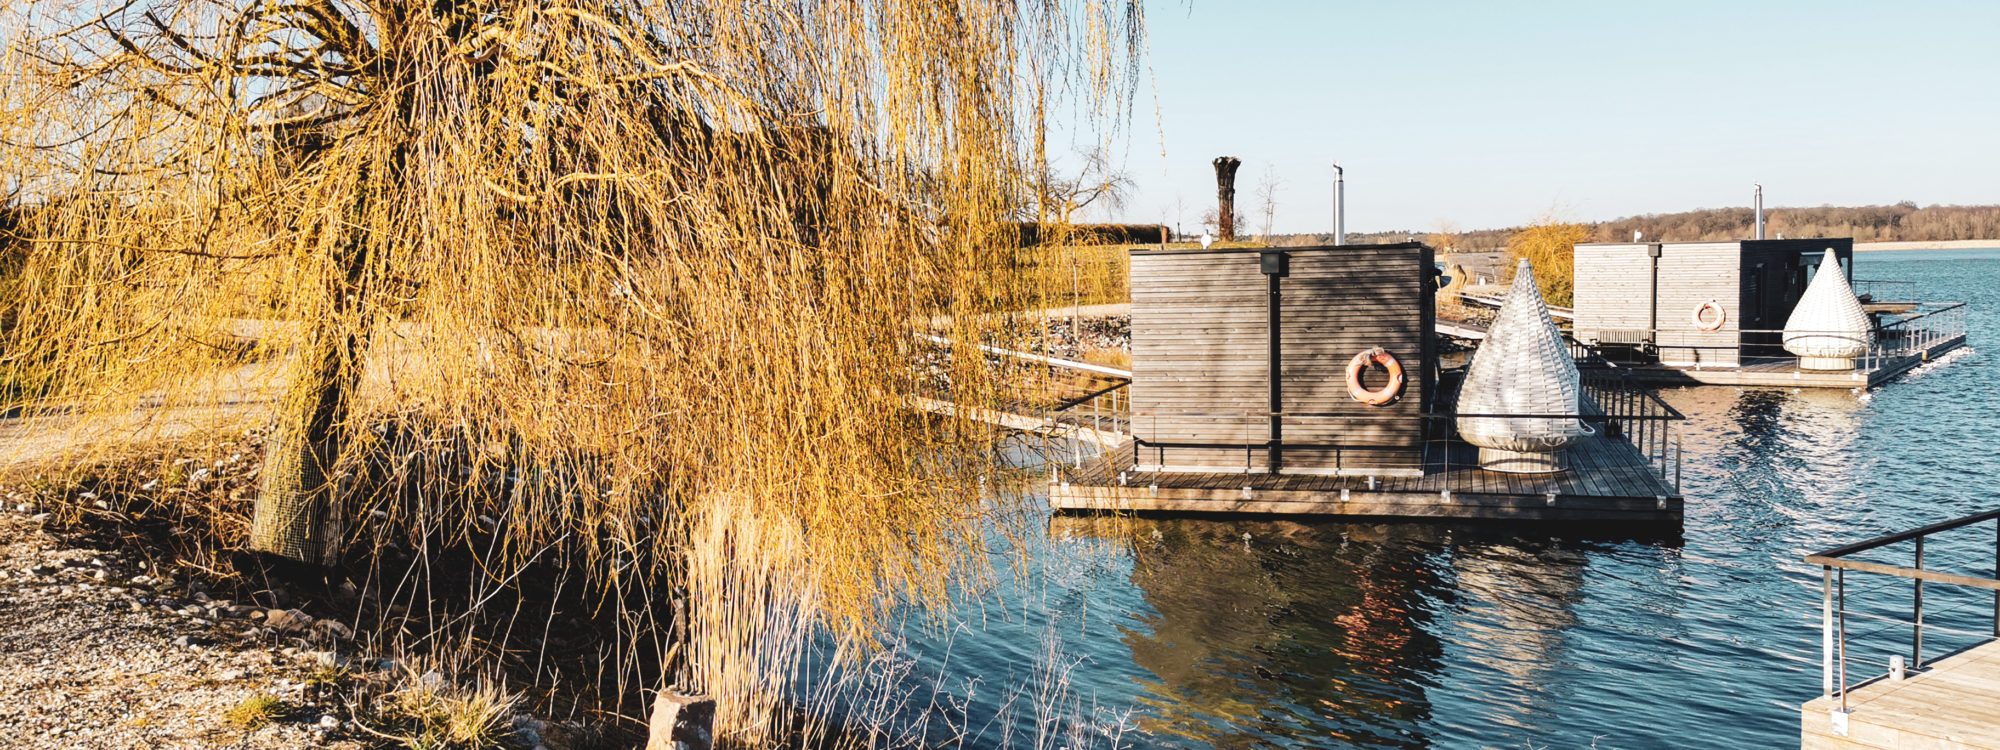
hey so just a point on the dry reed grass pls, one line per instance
(623, 289)
(429, 713)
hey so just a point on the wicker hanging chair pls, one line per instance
(1829, 328)
(1521, 369)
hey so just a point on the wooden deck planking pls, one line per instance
(1955, 703)
(1784, 372)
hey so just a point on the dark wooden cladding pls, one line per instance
(1774, 278)
(1201, 361)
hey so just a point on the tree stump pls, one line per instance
(681, 722)
(1225, 196)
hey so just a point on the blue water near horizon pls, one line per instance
(1249, 634)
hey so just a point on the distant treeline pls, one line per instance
(1901, 222)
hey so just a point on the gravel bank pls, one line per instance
(96, 653)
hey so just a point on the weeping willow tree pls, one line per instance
(1550, 245)
(647, 273)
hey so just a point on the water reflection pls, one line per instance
(1786, 456)
(1286, 633)
(1516, 601)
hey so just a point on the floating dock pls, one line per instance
(1608, 480)
(1898, 352)
(1629, 472)
(1717, 313)
(1925, 699)
(1955, 703)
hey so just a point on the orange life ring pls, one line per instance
(1380, 396)
(1701, 320)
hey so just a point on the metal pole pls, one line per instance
(1826, 629)
(1277, 436)
(1653, 297)
(1339, 205)
(1917, 634)
(1275, 264)
(1760, 211)
(1841, 585)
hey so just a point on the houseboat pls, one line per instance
(1307, 381)
(1752, 313)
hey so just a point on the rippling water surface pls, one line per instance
(1194, 633)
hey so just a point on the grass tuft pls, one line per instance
(255, 712)
(429, 713)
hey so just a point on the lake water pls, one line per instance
(1196, 633)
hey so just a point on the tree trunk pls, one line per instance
(297, 515)
(1225, 196)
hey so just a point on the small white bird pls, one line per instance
(1206, 240)
(1636, 234)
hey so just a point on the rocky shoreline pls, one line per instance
(97, 652)
(101, 650)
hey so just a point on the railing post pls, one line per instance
(1826, 630)
(1840, 584)
(1917, 632)
(1445, 432)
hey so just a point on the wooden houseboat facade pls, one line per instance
(1716, 313)
(1307, 381)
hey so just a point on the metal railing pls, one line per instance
(1614, 409)
(1641, 417)
(1834, 613)
(1884, 290)
(1896, 337)
(1105, 410)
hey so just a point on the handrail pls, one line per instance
(1945, 308)
(1829, 557)
(1673, 416)
(1724, 332)
(1483, 300)
(1910, 335)
(1833, 597)
(1628, 414)
(1068, 404)
(1032, 357)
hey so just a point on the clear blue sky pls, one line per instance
(1491, 114)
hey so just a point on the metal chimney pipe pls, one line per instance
(1339, 205)
(1759, 205)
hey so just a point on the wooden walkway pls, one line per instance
(1784, 372)
(1954, 703)
(1608, 480)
